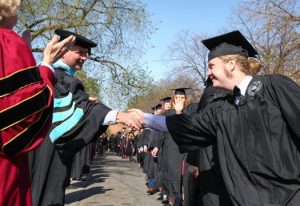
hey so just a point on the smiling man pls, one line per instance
(77, 120)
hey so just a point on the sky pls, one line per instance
(174, 16)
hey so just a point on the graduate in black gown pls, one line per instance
(205, 186)
(176, 160)
(162, 178)
(256, 127)
(77, 120)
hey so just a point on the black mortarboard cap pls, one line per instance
(80, 40)
(158, 106)
(180, 90)
(230, 43)
(166, 99)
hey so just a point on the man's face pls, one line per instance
(217, 71)
(75, 57)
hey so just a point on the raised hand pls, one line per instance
(55, 49)
(178, 105)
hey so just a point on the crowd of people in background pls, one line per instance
(167, 171)
(165, 167)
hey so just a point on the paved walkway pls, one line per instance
(112, 182)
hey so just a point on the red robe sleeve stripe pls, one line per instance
(25, 138)
(16, 113)
(19, 80)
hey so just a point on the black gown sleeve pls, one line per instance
(191, 132)
(70, 139)
(88, 129)
(287, 94)
(160, 139)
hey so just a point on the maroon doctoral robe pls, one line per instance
(26, 97)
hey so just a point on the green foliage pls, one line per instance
(120, 28)
(90, 85)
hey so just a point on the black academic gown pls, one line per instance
(191, 183)
(163, 162)
(80, 163)
(154, 142)
(258, 140)
(208, 189)
(175, 164)
(139, 155)
(51, 162)
(212, 187)
(144, 140)
(150, 160)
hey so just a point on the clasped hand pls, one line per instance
(134, 118)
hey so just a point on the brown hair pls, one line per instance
(9, 8)
(250, 66)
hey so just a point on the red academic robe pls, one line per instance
(26, 96)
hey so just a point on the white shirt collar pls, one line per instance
(244, 84)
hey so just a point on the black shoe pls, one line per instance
(82, 179)
(165, 200)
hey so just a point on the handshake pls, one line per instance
(134, 118)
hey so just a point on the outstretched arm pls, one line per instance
(156, 122)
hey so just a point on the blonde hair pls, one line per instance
(250, 66)
(9, 8)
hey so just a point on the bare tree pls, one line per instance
(273, 28)
(188, 57)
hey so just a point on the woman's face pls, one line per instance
(167, 105)
(218, 72)
(179, 97)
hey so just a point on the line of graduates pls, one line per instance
(124, 143)
(165, 167)
(181, 178)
